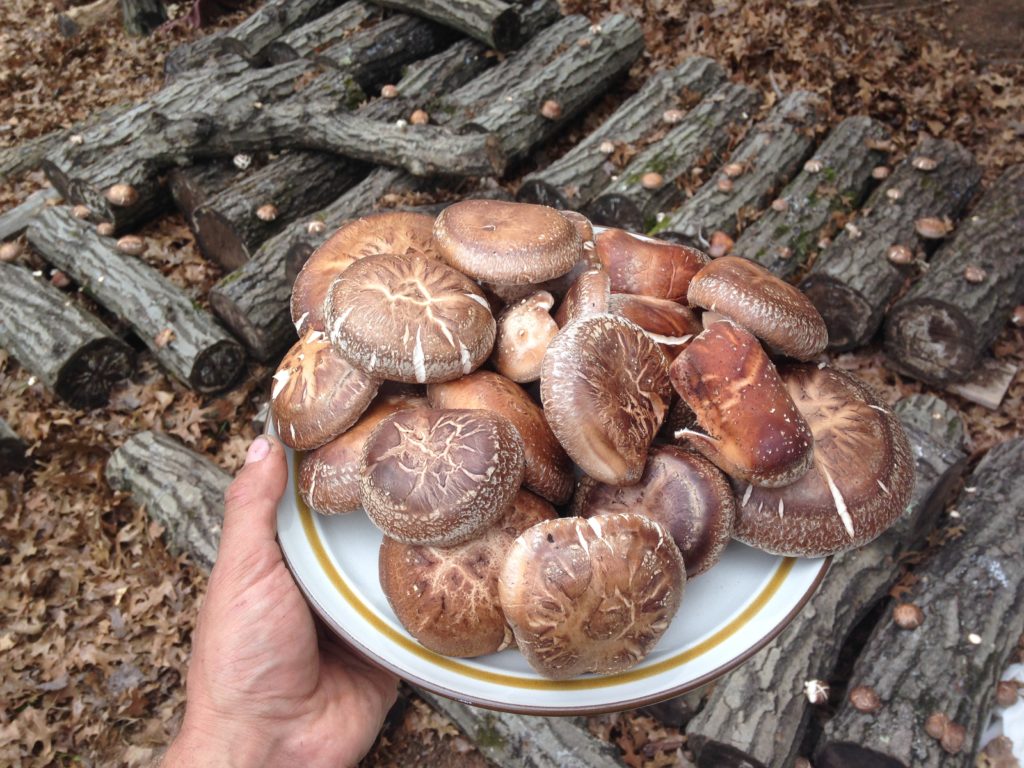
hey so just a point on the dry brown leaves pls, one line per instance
(643, 742)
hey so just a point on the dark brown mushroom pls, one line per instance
(447, 597)
(638, 264)
(409, 318)
(860, 480)
(439, 476)
(548, 469)
(684, 492)
(317, 394)
(668, 323)
(753, 431)
(591, 595)
(768, 307)
(605, 389)
(524, 331)
(395, 232)
(588, 295)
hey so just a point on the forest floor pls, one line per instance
(97, 615)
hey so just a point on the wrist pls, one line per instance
(214, 742)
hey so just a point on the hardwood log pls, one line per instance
(192, 185)
(492, 22)
(181, 490)
(767, 159)
(68, 349)
(972, 594)
(950, 317)
(228, 226)
(514, 741)
(15, 220)
(185, 339)
(853, 281)
(833, 183)
(703, 137)
(253, 301)
(574, 179)
(322, 32)
(534, 15)
(760, 709)
(12, 450)
(140, 17)
(572, 80)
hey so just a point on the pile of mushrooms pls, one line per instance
(555, 429)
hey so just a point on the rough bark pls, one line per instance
(770, 156)
(577, 76)
(492, 22)
(939, 330)
(181, 490)
(228, 231)
(15, 220)
(320, 33)
(253, 301)
(534, 15)
(199, 353)
(574, 179)
(192, 185)
(971, 589)
(140, 17)
(524, 741)
(852, 281)
(702, 137)
(786, 241)
(12, 450)
(68, 349)
(760, 708)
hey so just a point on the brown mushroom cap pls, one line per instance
(524, 331)
(770, 308)
(588, 295)
(317, 394)
(591, 595)
(328, 477)
(583, 226)
(397, 232)
(754, 432)
(548, 471)
(638, 264)
(666, 322)
(684, 492)
(858, 485)
(439, 476)
(447, 598)
(409, 318)
(605, 389)
(509, 243)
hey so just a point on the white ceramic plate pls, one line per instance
(727, 614)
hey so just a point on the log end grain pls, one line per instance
(217, 366)
(846, 755)
(541, 192)
(616, 210)
(219, 240)
(88, 376)
(850, 319)
(506, 30)
(933, 341)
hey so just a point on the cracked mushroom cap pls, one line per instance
(638, 264)
(684, 492)
(317, 394)
(328, 477)
(548, 470)
(409, 319)
(752, 429)
(588, 295)
(605, 389)
(524, 331)
(439, 476)
(859, 482)
(396, 232)
(447, 597)
(508, 243)
(591, 595)
(770, 308)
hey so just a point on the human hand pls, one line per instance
(260, 690)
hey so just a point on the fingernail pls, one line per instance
(258, 450)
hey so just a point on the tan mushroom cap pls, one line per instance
(638, 264)
(591, 595)
(328, 477)
(409, 318)
(605, 389)
(447, 598)
(508, 243)
(317, 394)
(439, 476)
(684, 492)
(524, 331)
(588, 295)
(395, 232)
(548, 471)
(858, 485)
(752, 429)
(768, 307)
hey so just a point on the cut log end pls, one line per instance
(616, 211)
(295, 259)
(506, 31)
(846, 755)
(541, 193)
(714, 754)
(217, 235)
(849, 318)
(217, 367)
(930, 340)
(86, 379)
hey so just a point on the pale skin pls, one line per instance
(262, 689)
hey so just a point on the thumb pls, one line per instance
(250, 502)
